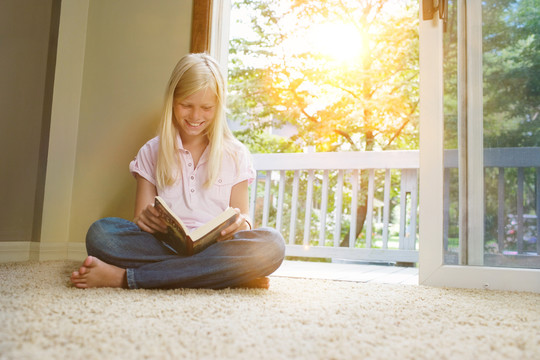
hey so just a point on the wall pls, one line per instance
(114, 59)
(131, 49)
(99, 94)
(25, 36)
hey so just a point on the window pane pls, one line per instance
(511, 93)
(511, 133)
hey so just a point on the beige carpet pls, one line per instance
(43, 317)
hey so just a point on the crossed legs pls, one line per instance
(121, 255)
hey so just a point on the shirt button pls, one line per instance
(189, 164)
(219, 181)
(192, 190)
(193, 178)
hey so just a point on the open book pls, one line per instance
(189, 243)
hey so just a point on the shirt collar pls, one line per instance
(180, 147)
(178, 142)
(205, 155)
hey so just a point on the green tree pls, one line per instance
(511, 73)
(511, 90)
(366, 102)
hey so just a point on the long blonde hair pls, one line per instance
(193, 72)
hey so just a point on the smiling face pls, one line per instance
(194, 114)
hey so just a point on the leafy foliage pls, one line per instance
(511, 98)
(336, 100)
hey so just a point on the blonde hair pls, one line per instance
(193, 72)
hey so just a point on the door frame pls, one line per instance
(432, 269)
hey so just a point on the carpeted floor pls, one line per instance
(43, 317)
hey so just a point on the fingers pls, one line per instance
(238, 225)
(140, 223)
(152, 210)
(150, 221)
(234, 227)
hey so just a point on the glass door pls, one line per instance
(484, 111)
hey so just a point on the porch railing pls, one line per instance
(312, 198)
(509, 174)
(291, 184)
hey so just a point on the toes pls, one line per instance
(74, 276)
(87, 264)
(77, 280)
(88, 261)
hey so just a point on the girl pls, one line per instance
(200, 169)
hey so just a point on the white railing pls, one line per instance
(504, 161)
(280, 178)
(327, 187)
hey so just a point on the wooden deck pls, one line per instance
(349, 272)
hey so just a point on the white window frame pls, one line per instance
(219, 33)
(432, 269)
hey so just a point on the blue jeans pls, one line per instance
(150, 264)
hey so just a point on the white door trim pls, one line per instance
(432, 270)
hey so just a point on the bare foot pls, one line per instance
(96, 273)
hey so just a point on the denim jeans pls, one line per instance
(151, 264)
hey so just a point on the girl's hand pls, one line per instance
(241, 223)
(150, 221)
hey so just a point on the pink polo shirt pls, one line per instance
(194, 203)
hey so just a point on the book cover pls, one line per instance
(188, 243)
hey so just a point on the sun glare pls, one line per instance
(343, 42)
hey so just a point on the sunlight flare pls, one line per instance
(340, 41)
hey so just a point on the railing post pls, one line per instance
(386, 214)
(446, 207)
(354, 208)
(294, 207)
(369, 214)
(339, 208)
(537, 188)
(281, 195)
(253, 200)
(500, 210)
(324, 205)
(538, 211)
(309, 201)
(266, 206)
(409, 185)
(520, 210)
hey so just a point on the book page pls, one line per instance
(212, 224)
(212, 236)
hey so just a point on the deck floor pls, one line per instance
(349, 272)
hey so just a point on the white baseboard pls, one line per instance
(52, 251)
(14, 251)
(18, 251)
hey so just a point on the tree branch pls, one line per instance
(347, 137)
(398, 132)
